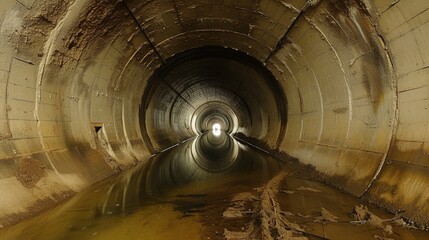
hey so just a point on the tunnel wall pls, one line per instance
(70, 99)
(339, 77)
(402, 184)
(72, 75)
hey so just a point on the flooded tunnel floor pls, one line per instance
(255, 197)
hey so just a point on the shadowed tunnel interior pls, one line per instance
(90, 88)
(207, 86)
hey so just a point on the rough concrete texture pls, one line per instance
(354, 75)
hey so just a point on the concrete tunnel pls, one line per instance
(90, 88)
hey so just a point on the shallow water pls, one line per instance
(182, 194)
(162, 198)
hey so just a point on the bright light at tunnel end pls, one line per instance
(216, 129)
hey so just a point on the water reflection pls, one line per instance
(161, 198)
(210, 158)
(183, 193)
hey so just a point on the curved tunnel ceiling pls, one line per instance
(81, 96)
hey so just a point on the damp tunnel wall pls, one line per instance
(354, 75)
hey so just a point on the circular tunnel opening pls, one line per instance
(216, 129)
(91, 88)
(201, 87)
(214, 112)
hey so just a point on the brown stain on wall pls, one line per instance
(99, 20)
(392, 194)
(37, 26)
(36, 208)
(29, 171)
(373, 59)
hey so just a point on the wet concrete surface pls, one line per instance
(180, 194)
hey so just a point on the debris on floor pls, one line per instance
(238, 208)
(271, 219)
(249, 233)
(382, 238)
(308, 189)
(362, 215)
(326, 216)
(287, 192)
(274, 224)
(268, 213)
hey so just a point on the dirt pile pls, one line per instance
(270, 222)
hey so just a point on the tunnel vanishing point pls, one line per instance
(90, 87)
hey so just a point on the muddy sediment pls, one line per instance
(37, 208)
(271, 212)
(29, 171)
